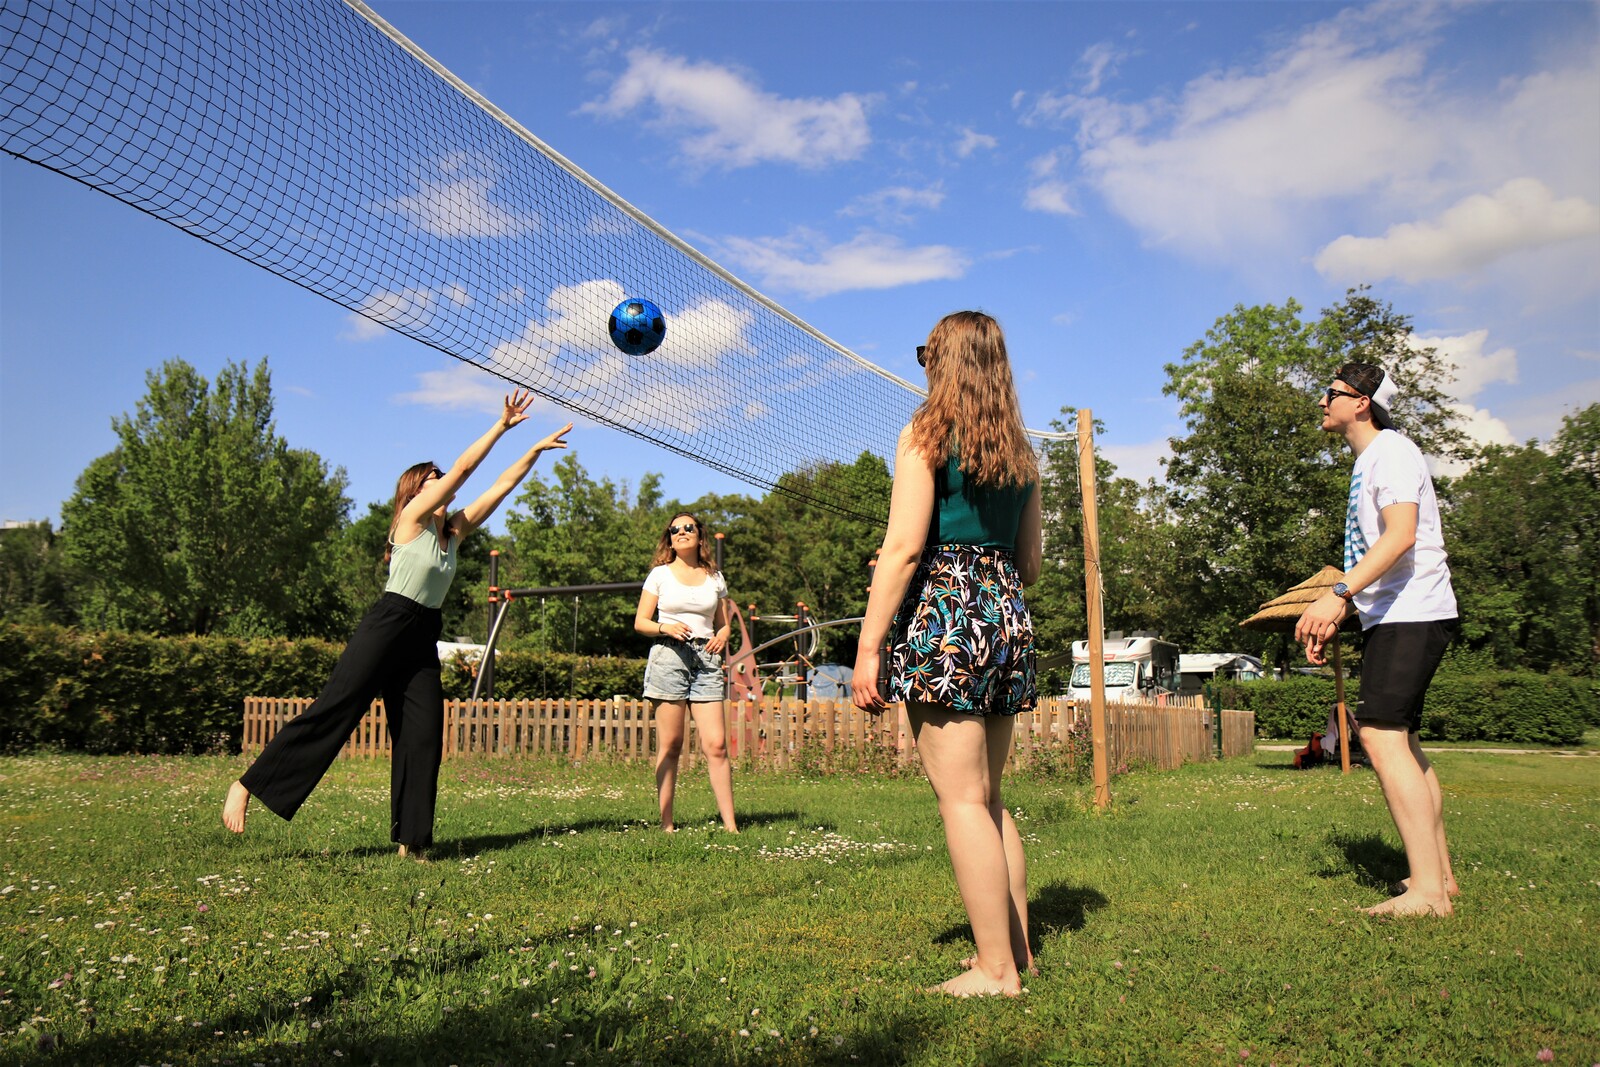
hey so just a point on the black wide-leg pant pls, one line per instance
(394, 652)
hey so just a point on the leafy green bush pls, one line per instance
(128, 692)
(1522, 707)
(549, 675)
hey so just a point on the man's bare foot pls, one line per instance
(1404, 885)
(976, 983)
(236, 807)
(730, 829)
(408, 852)
(1409, 903)
(1031, 968)
(669, 829)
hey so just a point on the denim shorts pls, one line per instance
(683, 671)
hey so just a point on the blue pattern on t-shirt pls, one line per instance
(1355, 543)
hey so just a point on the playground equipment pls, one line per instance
(747, 674)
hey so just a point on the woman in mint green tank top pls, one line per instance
(394, 651)
(947, 631)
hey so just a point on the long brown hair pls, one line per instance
(664, 552)
(405, 491)
(972, 404)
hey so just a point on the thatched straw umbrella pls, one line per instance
(1281, 613)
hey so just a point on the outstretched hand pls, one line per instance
(555, 440)
(517, 405)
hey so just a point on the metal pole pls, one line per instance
(1091, 592)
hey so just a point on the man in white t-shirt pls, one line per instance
(1398, 580)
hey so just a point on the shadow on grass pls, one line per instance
(515, 1026)
(460, 847)
(1052, 909)
(1375, 863)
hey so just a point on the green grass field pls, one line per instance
(1209, 918)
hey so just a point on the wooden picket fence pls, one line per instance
(782, 734)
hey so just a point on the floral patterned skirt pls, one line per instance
(963, 638)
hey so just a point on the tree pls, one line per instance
(203, 519)
(1577, 450)
(791, 550)
(33, 576)
(1257, 488)
(579, 531)
(1514, 552)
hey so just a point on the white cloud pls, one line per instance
(971, 140)
(1098, 62)
(726, 120)
(463, 387)
(896, 203)
(1048, 192)
(1140, 461)
(407, 308)
(1350, 117)
(569, 349)
(1474, 367)
(805, 263)
(454, 198)
(1475, 231)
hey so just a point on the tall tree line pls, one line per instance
(204, 520)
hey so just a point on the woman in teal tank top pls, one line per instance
(394, 652)
(946, 628)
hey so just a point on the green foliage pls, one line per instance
(203, 520)
(1519, 707)
(549, 675)
(131, 692)
(34, 581)
(1257, 488)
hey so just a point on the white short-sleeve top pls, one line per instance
(693, 605)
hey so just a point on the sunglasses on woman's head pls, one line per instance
(922, 358)
(687, 527)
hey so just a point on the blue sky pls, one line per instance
(1106, 179)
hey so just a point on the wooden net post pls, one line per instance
(1091, 592)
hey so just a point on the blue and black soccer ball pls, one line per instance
(637, 326)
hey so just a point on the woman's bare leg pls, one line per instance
(713, 731)
(669, 745)
(954, 750)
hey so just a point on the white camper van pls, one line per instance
(1136, 668)
(1202, 667)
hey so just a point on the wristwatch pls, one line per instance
(1343, 591)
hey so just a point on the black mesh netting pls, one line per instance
(304, 138)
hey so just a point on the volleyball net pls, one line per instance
(315, 141)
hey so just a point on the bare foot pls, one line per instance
(236, 807)
(1409, 903)
(730, 829)
(1031, 969)
(975, 983)
(1404, 884)
(669, 829)
(407, 852)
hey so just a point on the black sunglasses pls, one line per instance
(687, 527)
(1331, 392)
(922, 358)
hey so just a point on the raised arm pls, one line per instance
(477, 513)
(439, 490)
(910, 511)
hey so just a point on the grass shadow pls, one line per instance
(1052, 909)
(1375, 863)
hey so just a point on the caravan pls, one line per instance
(1143, 667)
(1199, 668)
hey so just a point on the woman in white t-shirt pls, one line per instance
(682, 607)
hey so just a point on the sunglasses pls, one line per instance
(922, 358)
(435, 473)
(687, 527)
(1331, 392)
